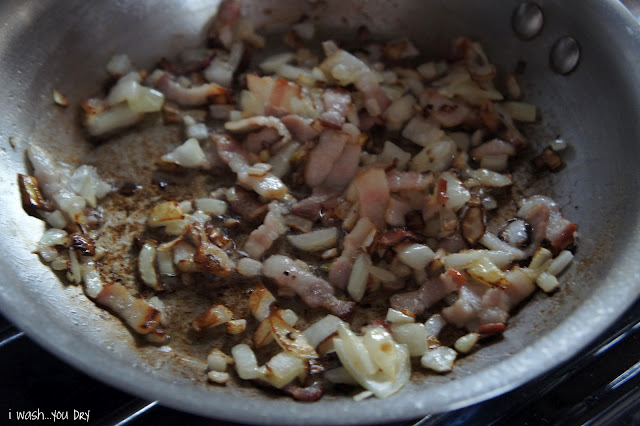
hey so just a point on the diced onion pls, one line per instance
(439, 359)
(211, 206)
(547, 282)
(189, 155)
(414, 335)
(218, 360)
(400, 317)
(560, 262)
(359, 276)
(249, 267)
(317, 240)
(417, 256)
(320, 330)
(465, 343)
(245, 361)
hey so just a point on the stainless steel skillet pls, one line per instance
(46, 45)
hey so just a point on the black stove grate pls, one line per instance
(601, 386)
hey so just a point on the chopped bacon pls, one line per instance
(336, 104)
(246, 205)
(301, 129)
(305, 394)
(271, 130)
(493, 147)
(352, 246)
(498, 120)
(344, 169)
(193, 96)
(312, 207)
(430, 292)
(467, 306)
(137, 313)
(442, 192)
(228, 14)
(373, 194)
(235, 156)
(393, 237)
(446, 111)
(261, 239)
(324, 156)
(314, 291)
(186, 67)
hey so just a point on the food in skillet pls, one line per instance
(333, 214)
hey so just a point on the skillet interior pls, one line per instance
(48, 45)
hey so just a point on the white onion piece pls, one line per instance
(55, 219)
(340, 375)
(547, 282)
(219, 377)
(399, 317)
(146, 99)
(74, 274)
(422, 131)
(188, 155)
(112, 119)
(218, 360)
(399, 112)
(248, 267)
(357, 362)
(211, 206)
(521, 111)
(359, 276)
(495, 162)
(417, 256)
(560, 262)
(383, 350)
(290, 339)
(434, 325)
(54, 237)
(439, 359)
(320, 330)
(282, 369)
(235, 327)
(393, 153)
(86, 182)
(245, 361)
(146, 264)
(317, 240)
(487, 178)
(119, 64)
(457, 194)
(465, 343)
(540, 261)
(272, 63)
(414, 335)
(260, 302)
(492, 242)
(163, 213)
(382, 274)
(197, 131)
(93, 282)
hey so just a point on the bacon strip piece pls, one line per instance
(373, 194)
(352, 246)
(430, 292)
(323, 156)
(193, 96)
(314, 291)
(137, 313)
(234, 155)
(261, 239)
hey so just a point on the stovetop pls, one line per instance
(601, 386)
